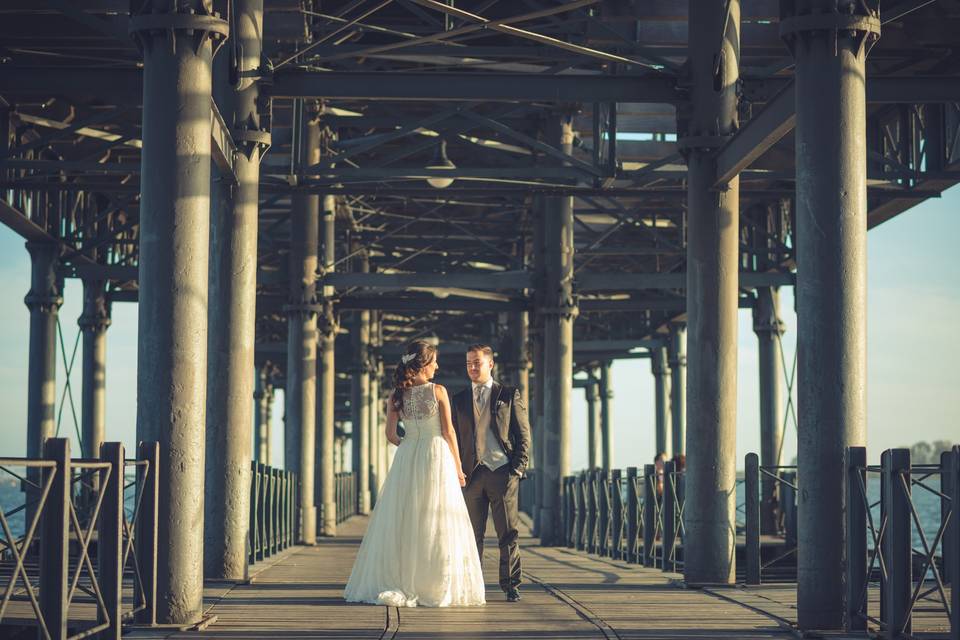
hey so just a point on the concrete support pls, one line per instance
(661, 378)
(594, 438)
(712, 280)
(677, 359)
(326, 398)
(829, 40)
(177, 44)
(94, 323)
(769, 328)
(233, 291)
(301, 383)
(360, 399)
(558, 313)
(263, 397)
(606, 416)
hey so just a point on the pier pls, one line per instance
(290, 191)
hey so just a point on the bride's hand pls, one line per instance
(462, 478)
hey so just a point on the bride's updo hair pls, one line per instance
(419, 354)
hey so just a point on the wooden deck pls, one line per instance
(567, 595)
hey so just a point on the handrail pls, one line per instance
(274, 511)
(346, 496)
(59, 527)
(889, 562)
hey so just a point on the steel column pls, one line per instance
(606, 416)
(175, 162)
(712, 282)
(360, 399)
(593, 422)
(769, 328)
(373, 416)
(537, 334)
(301, 384)
(829, 40)
(233, 290)
(661, 379)
(43, 301)
(326, 392)
(677, 360)
(559, 312)
(93, 323)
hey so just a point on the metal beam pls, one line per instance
(223, 149)
(752, 140)
(487, 87)
(22, 225)
(640, 281)
(483, 281)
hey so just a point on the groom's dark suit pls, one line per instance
(496, 490)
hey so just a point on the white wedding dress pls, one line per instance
(419, 548)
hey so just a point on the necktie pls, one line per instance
(480, 399)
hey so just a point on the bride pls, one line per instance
(419, 548)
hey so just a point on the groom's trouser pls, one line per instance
(496, 491)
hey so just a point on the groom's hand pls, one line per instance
(462, 478)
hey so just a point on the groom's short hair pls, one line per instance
(485, 349)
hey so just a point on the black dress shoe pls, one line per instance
(513, 594)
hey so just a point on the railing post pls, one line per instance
(949, 543)
(591, 511)
(668, 514)
(788, 497)
(55, 540)
(146, 528)
(897, 544)
(649, 514)
(856, 465)
(569, 511)
(633, 515)
(751, 508)
(581, 512)
(616, 515)
(954, 541)
(110, 538)
(254, 521)
(603, 509)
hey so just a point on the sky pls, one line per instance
(913, 393)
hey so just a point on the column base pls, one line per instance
(328, 519)
(308, 535)
(550, 527)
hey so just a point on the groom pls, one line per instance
(494, 438)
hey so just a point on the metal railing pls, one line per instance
(346, 495)
(784, 479)
(883, 550)
(274, 511)
(68, 501)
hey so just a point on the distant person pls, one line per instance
(419, 548)
(659, 469)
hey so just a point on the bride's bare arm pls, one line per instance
(447, 430)
(392, 418)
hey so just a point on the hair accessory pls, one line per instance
(407, 358)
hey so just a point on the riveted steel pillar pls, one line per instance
(263, 395)
(712, 279)
(520, 364)
(559, 311)
(94, 323)
(301, 383)
(829, 40)
(43, 301)
(233, 289)
(677, 359)
(606, 416)
(661, 379)
(539, 261)
(593, 422)
(769, 328)
(326, 394)
(372, 414)
(360, 399)
(177, 50)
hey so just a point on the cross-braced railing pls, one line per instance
(784, 478)
(274, 511)
(889, 547)
(61, 570)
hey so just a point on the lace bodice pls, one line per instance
(420, 403)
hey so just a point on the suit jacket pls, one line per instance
(508, 420)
